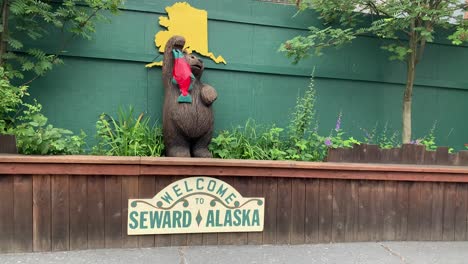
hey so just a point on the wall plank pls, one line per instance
(23, 213)
(60, 212)
(78, 212)
(96, 211)
(113, 212)
(7, 234)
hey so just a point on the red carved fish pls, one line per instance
(182, 76)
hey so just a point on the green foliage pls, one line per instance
(25, 21)
(299, 142)
(406, 25)
(337, 138)
(418, 19)
(10, 100)
(429, 141)
(30, 20)
(128, 135)
(249, 142)
(33, 134)
(385, 138)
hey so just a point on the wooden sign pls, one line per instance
(195, 205)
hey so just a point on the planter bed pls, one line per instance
(51, 203)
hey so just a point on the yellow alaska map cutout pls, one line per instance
(189, 22)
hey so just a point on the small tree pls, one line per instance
(409, 24)
(22, 23)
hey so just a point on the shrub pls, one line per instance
(128, 135)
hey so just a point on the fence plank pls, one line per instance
(270, 192)
(96, 213)
(129, 191)
(460, 212)
(60, 213)
(78, 212)
(340, 200)
(401, 216)
(449, 212)
(376, 209)
(6, 214)
(364, 233)
(255, 189)
(442, 156)
(372, 154)
(430, 157)
(23, 213)
(113, 212)
(283, 213)
(298, 211)
(425, 209)
(312, 211)
(352, 208)
(325, 211)
(463, 158)
(389, 208)
(437, 211)
(41, 213)
(395, 155)
(414, 210)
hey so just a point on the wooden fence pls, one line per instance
(72, 203)
(407, 154)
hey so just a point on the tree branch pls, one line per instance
(4, 35)
(65, 43)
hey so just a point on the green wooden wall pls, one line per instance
(258, 82)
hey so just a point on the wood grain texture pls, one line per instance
(60, 213)
(23, 213)
(283, 213)
(298, 210)
(325, 211)
(96, 211)
(7, 234)
(312, 211)
(78, 190)
(113, 212)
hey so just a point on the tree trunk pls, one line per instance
(407, 98)
(4, 35)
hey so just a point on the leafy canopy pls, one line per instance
(23, 22)
(390, 19)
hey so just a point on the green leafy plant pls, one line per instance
(128, 135)
(429, 141)
(249, 142)
(304, 142)
(406, 25)
(300, 141)
(382, 137)
(36, 136)
(337, 138)
(23, 22)
(33, 133)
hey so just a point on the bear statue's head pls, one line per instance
(196, 65)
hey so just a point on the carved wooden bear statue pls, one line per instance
(187, 124)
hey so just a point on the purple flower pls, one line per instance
(328, 142)
(338, 123)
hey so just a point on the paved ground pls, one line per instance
(351, 253)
